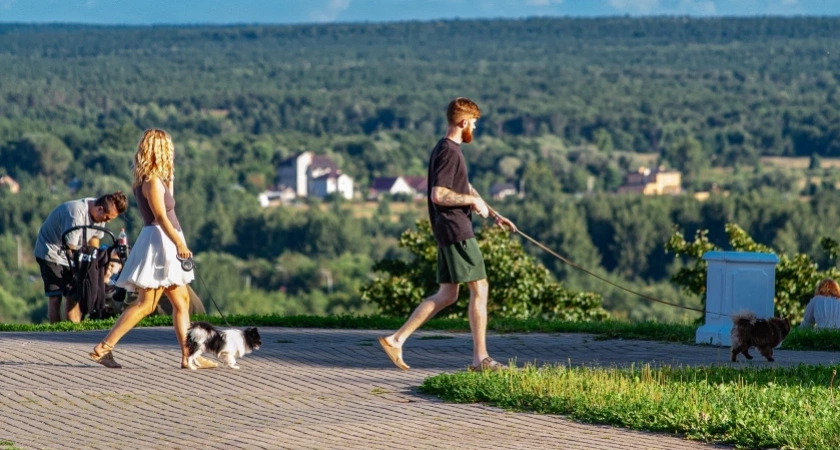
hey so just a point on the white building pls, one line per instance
(331, 182)
(413, 186)
(501, 190)
(657, 181)
(275, 198)
(391, 186)
(307, 174)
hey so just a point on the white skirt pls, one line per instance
(153, 262)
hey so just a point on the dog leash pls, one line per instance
(543, 247)
(198, 275)
(567, 261)
(588, 272)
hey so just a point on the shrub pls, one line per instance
(796, 276)
(519, 286)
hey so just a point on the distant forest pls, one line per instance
(764, 86)
(567, 104)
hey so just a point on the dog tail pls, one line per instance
(744, 318)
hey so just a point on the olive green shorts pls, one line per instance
(460, 263)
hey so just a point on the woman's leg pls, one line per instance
(179, 297)
(145, 305)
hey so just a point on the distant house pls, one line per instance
(657, 181)
(501, 190)
(308, 174)
(390, 186)
(413, 186)
(10, 183)
(331, 182)
(419, 184)
(276, 198)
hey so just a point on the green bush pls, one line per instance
(519, 286)
(796, 276)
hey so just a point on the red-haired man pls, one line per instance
(451, 201)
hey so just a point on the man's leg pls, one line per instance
(74, 311)
(478, 319)
(53, 276)
(54, 308)
(445, 296)
(392, 345)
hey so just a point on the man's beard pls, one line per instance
(466, 135)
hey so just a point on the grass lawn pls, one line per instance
(787, 408)
(800, 162)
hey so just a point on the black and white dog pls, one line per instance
(227, 345)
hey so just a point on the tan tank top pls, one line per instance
(146, 210)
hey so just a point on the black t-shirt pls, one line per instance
(447, 168)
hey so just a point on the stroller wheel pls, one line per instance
(131, 298)
(119, 295)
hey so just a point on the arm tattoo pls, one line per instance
(447, 197)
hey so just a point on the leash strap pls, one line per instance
(653, 299)
(198, 275)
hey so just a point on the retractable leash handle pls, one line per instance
(187, 264)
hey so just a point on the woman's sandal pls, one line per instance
(107, 358)
(487, 363)
(202, 363)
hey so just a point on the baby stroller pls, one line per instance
(97, 296)
(96, 269)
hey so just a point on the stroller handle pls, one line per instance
(84, 233)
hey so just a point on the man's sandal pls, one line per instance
(107, 358)
(394, 353)
(487, 363)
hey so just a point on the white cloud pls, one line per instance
(640, 6)
(330, 11)
(701, 7)
(543, 2)
(689, 7)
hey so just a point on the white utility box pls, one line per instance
(735, 282)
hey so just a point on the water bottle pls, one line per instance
(122, 244)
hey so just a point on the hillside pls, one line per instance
(745, 107)
(765, 86)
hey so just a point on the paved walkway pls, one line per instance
(305, 389)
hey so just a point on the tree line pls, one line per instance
(570, 105)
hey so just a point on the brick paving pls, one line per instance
(305, 389)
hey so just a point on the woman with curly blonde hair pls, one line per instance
(153, 267)
(823, 311)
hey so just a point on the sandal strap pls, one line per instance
(106, 346)
(106, 359)
(487, 363)
(490, 362)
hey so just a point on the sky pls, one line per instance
(149, 12)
